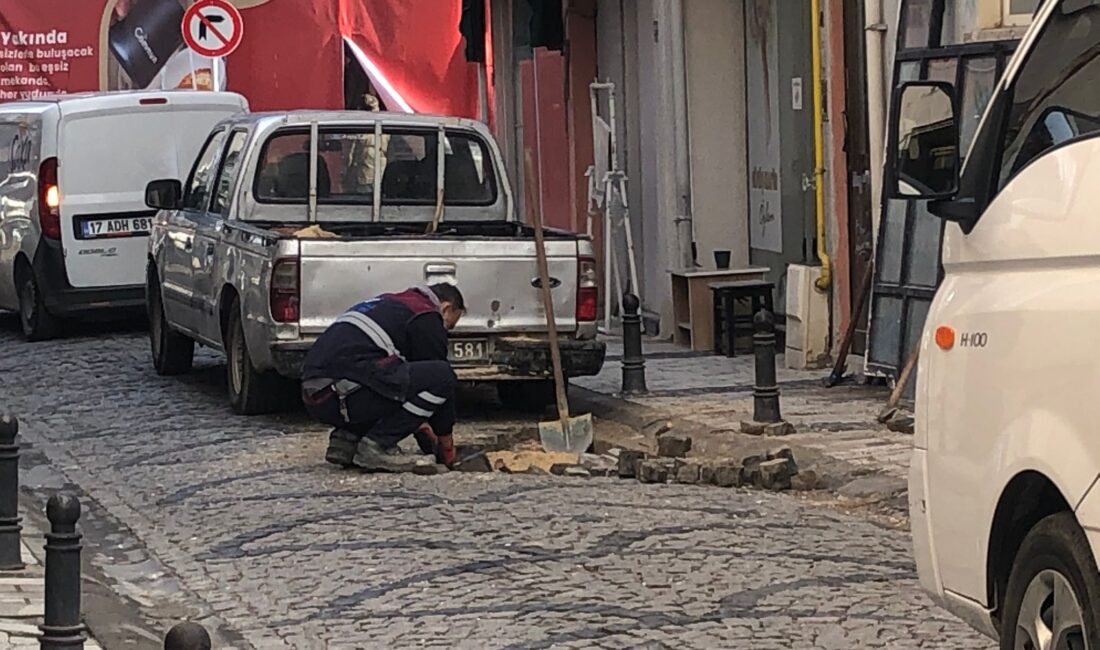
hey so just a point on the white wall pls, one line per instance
(715, 60)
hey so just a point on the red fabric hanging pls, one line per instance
(291, 56)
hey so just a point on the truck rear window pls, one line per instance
(346, 162)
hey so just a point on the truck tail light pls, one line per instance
(285, 291)
(588, 291)
(49, 200)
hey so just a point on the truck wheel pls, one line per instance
(1053, 595)
(251, 391)
(173, 353)
(38, 323)
(527, 396)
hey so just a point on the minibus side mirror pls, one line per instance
(164, 194)
(924, 142)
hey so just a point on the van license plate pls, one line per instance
(469, 351)
(120, 227)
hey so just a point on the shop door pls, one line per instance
(780, 153)
(908, 260)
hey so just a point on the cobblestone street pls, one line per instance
(238, 523)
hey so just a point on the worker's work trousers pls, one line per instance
(429, 398)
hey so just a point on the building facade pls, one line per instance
(739, 130)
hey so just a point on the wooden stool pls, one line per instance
(726, 295)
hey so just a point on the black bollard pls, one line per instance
(633, 359)
(11, 558)
(765, 394)
(187, 636)
(61, 626)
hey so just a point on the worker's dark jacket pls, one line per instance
(370, 343)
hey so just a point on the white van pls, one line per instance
(1005, 482)
(73, 221)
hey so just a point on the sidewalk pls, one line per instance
(707, 397)
(22, 595)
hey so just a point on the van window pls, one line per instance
(227, 176)
(197, 194)
(1054, 99)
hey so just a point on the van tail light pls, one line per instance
(285, 290)
(588, 290)
(49, 200)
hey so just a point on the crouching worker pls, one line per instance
(380, 374)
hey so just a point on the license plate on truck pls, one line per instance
(116, 227)
(469, 351)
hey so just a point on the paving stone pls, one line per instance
(13, 628)
(776, 474)
(628, 461)
(673, 446)
(654, 471)
(479, 462)
(600, 464)
(433, 469)
(688, 473)
(805, 480)
(775, 429)
(729, 475)
(751, 471)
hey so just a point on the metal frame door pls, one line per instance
(908, 266)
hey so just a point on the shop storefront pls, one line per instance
(294, 53)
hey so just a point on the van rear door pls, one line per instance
(106, 158)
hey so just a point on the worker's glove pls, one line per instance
(445, 450)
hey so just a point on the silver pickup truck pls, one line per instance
(287, 220)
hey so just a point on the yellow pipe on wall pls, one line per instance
(826, 280)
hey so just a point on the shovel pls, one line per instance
(566, 434)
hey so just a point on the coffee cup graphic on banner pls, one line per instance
(146, 37)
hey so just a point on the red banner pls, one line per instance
(294, 54)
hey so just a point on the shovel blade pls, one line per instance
(576, 439)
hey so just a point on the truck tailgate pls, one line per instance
(498, 278)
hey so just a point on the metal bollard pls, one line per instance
(765, 393)
(11, 558)
(187, 636)
(61, 626)
(633, 359)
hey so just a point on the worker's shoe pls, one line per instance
(372, 457)
(341, 448)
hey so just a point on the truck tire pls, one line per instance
(528, 396)
(173, 353)
(37, 321)
(251, 391)
(1054, 578)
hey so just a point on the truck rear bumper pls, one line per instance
(512, 359)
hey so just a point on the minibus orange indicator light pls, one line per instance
(945, 337)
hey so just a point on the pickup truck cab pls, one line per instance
(1004, 488)
(287, 220)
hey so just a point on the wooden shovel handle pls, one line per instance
(547, 298)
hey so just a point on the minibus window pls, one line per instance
(1054, 98)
